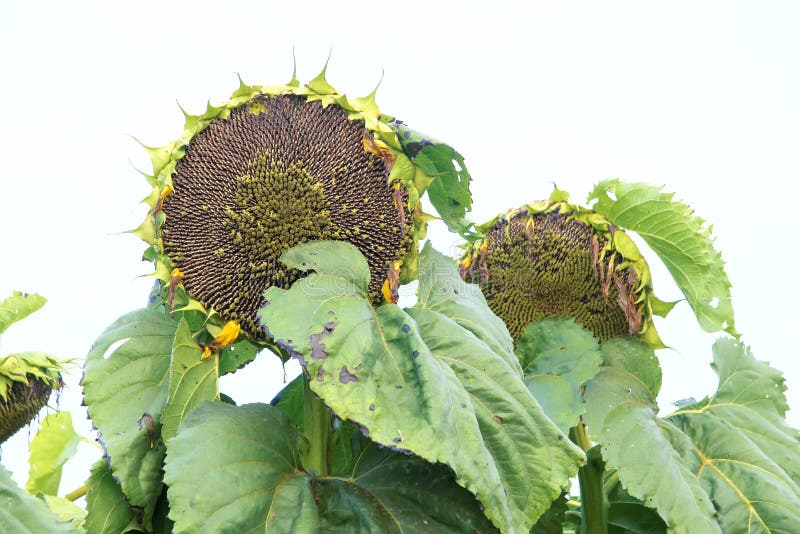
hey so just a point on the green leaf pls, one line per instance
(716, 466)
(627, 514)
(125, 394)
(22, 513)
(67, 511)
(54, 444)
(252, 451)
(236, 469)
(682, 241)
(552, 520)
(108, 512)
(18, 306)
(390, 492)
(440, 379)
(237, 356)
(192, 381)
(558, 356)
(449, 191)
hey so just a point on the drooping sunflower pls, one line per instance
(274, 167)
(555, 259)
(26, 382)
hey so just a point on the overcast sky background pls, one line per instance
(701, 97)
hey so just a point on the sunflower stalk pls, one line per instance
(594, 504)
(317, 425)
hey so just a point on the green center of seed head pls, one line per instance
(277, 205)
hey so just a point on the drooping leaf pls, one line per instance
(125, 392)
(237, 356)
(552, 521)
(390, 492)
(440, 379)
(22, 513)
(18, 306)
(193, 380)
(721, 465)
(108, 512)
(682, 241)
(627, 515)
(558, 356)
(252, 451)
(449, 191)
(54, 444)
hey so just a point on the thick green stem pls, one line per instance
(594, 505)
(317, 428)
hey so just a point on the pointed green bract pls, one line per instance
(558, 356)
(682, 240)
(439, 379)
(51, 447)
(716, 466)
(125, 392)
(22, 513)
(193, 380)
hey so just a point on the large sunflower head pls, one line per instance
(272, 168)
(26, 381)
(555, 259)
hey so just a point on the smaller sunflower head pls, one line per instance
(26, 381)
(270, 169)
(555, 259)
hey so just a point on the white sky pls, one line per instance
(699, 96)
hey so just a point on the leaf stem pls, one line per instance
(594, 505)
(76, 494)
(317, 427)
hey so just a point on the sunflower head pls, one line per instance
(270, 169)
(26, 381)
(555, 259)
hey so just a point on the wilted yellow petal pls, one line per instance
(228, 335)
(206, 353)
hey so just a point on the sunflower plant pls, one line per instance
(518, 393)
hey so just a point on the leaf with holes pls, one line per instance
(682, 241)
(439, 379)
(724, 464)
(125, 394)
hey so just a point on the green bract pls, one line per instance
(28, 378)
(556, 259)
(281, 165)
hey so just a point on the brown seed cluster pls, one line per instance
(23, 403)
(278, 172)
(547, 265)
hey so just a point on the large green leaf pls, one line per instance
(682, 241)
(440, 379)
(125, 392)
(558, 356)
(18, 306)
(108, 512)
(22, 513)
(252, 452)
(449, 191)
(54, 444)
(726, 464)
(192, 380)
